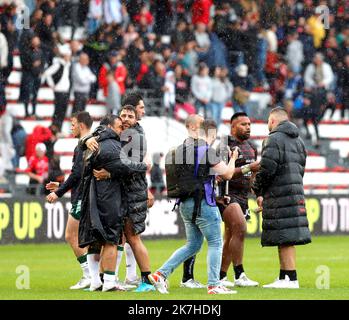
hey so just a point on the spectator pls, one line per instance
(201, 87)
(308, 44)
(32, 67)
(50, 142)
(8, 28)
(45, 33)
(82, 78)
(190, 58)
(112, 11)
(260, 62)
(37, 170)
(113, 99)
(201, 11)
(19, 137)
(156, 176)
(163, 16)
(180, 35)
(202, 38)
(294, 53)
(95, 14)
(144, 15)
(58, 79)
(344, 84)
(170, 92)
(317, 29)
(40, 134)
(220, 95)
(3, 68)
(114, 64)
(130, 35)
(242, 88)
(6, 146)
(318, 78)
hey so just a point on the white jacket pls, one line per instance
(201, 87)
(63, 84)
(310, 73)
(82, 78)
(3, 51)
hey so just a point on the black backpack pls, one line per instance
(183, 174)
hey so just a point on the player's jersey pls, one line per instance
(240, 187)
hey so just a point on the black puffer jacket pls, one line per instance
(136, 187)
(103, 201)
(280, 182)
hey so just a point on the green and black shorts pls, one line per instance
(75, 211)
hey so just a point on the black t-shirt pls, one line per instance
(241, 186)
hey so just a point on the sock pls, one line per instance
(93, 266)
(222, 275)
(188, 269)
(238, 270)
(144, 276)
(292, 274)
(131, 263)
(120, 251)
(84, 265)
(109, 278)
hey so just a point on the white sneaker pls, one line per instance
(243, 281)
(159, 282)
(283, 284)
(112, 287)
(192, 284)
(83, 283)
(134, 283)
(124, 285)
(226, 283)
(95, 287)
(220, 290)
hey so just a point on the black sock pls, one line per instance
(238, 270)
(222, 274)
(144, 276)
(188, 269)
(292, 274)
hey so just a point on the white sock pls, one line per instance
(84, 266)
(93, 266)
(109, 280)
(131, 263)
(120, 252)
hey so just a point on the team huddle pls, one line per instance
(110, 199)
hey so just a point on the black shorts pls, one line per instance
(242, 202)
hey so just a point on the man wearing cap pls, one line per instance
(114, 64)
(57, 77)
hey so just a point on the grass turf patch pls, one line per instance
(53, 269)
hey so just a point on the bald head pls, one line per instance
(276, 116)
(192, 123)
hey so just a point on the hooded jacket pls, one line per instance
(280, 182)
(103, 206)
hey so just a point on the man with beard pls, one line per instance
(234, 208)
(80, 126)
(134, 145)
(103, 209)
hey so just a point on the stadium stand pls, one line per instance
(327, 169)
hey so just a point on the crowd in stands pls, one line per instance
(196, 55)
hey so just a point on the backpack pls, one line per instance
(184, 176)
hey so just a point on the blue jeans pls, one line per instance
(207, 225)
(217, 108)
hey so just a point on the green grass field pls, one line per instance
(53, 269)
